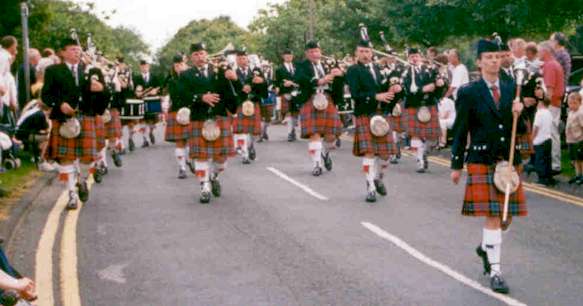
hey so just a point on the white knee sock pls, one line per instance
(418, 145)
(369, 169)
(492, 244)
(381, 166)
(68, 174)
(180, 154)
(315, 150)
(218, 168)
(290, 124)
(103, 156)
(203, 174)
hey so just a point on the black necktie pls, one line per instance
(75, 74)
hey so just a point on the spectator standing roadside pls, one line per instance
(559, 43)
(574, 135)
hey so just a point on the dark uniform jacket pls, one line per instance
(282, 74)
(258, 91)
(59, 86)
(306, 78)
(489, 128)
(424, 75)
(153, 82)
(193, 85)
(363, 89)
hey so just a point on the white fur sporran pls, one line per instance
(505, 174)
(211, 130)
(424, 114)
(248, 108)
(320, 101)
(106, 116)
(183, 116)
(379, 126)
(70, 128)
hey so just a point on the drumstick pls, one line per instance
(510, 167)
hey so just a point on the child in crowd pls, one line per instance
(574, 133)
(543, 123)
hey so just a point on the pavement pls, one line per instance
(279, 236)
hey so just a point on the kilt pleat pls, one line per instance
(84, 147)
(113, 127)
(175, 131)
(483, 199)
(219, 149)
(99, 133)
(366, 143)
(247, 124)
(414, 128)
(325, 123)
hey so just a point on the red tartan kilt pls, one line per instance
(324, 123)
(267, 112)
(174, 130)
(524, 142)
(247, 124)
(482, 199)
(99, 133)
(414, 128)
(395, 122)
(113, 127)
(286, 107)
(366, 143)
(83, 147)
(217, 150)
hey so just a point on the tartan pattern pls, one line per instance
(482, 199)
(175, 131)
(217, 150)
(524, 142)
(286, 107)
(267, 112)
(113, 127)
(396, 123)
(83, 147)
(426, 131)
(247, 125)
(326, 122)
(366, 143)
(99, 133)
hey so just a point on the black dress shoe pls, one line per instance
(327, 161)
(380, 186)
(555, 172)
(317, 171)
(72, 203)
(252, 153)
(145, 143)
(205, 197)
(485, 262)
(260, 140)
(371, 197)
(246, 161)
(83, 191)
(265, 136)
(338, 143)
(104, 170)
(181, 174)
(216, 187)
(152, 138)
(131, 145)
(498, 284)
(97, 176)
(394, 160)
(291, 136)
(116, 159)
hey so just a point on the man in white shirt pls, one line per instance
(446, 109)
(459, 74)
(8, 51)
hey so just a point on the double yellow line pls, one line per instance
(69, 277)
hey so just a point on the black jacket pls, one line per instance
(59, 86)
(282, 74)
(423, 77)
(192, 85)
(305, 77)
(153, 82)
(363, 89)
(258, 91)
(489, 128)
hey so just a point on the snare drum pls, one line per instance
(133, 109)
(153, 105)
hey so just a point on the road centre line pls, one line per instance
(303, 187)
(439, 266)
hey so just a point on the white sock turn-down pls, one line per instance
(180, 154)
(203, 174)
(315, 151)
(369, 169)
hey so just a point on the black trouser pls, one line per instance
(543, 160)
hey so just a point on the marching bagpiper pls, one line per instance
(247, 122)
(421, 120)
(147, 85)
(113, 125)
(374, 100)
(209, 92)
(75, 97)
(485, 113)
(287, 91)
(176, 132)
(320, 88)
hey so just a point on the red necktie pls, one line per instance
(495, 94)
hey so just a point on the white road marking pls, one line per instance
(113, 273)
(439, 266)
(303, 187)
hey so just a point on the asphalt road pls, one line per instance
(143, 239)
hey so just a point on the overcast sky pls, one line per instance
(158, 20)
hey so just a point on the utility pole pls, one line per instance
(25, 47)
(312, 20)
